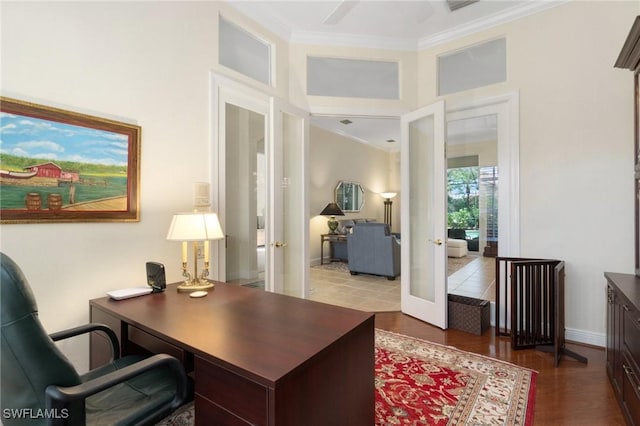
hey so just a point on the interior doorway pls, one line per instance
(259, 158)
(472, 208)
(500, 202)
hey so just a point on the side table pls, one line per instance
(330, 238)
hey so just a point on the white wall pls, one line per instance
(576, 144)
(335, 158)
(142, 62)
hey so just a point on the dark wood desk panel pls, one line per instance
(315, 361)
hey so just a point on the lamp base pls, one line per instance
(332, 224)
(194, 285)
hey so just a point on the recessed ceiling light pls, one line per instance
(346, 121)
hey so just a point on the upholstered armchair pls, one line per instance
(40, 386)
(373, 250)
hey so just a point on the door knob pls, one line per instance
(437, 242)
(279, 244)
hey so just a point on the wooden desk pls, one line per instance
(256, 357)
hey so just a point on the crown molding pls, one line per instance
(503, 17)
(259, 13)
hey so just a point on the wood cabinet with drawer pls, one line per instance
(631, 362)
(623, 342)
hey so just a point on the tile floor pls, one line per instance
(378, 294)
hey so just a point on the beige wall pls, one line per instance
(576, 143)
(335, 158)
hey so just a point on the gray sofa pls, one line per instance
(340, 251)
(372, 249)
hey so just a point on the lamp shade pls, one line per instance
(196, 226)
(388, 195)
(332, 209)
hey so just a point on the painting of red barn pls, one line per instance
(46, 170)
(64, 166)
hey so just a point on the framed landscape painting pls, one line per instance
(63, 166)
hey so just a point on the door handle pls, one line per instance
(279, 244)
(437, 242)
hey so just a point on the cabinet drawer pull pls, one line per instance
(630, 372)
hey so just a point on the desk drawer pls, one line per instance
(219, 390)
(156, 345)
(208, 413)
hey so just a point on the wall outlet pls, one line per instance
(200, 252)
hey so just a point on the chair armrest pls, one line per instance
(57, 397)
(87, 328)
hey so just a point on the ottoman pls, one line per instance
(456, 248)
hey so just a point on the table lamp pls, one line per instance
(332, 210)
(196, 227)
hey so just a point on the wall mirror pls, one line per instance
(349, 196)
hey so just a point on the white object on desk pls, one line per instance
(200, 293)
(127, 293)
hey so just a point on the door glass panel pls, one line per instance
(421, 175)
(245, 196)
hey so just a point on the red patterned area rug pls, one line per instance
(422, 383)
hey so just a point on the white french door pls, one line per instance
(289, 207)
(424, 230)
(260, 147)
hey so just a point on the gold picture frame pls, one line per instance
(64, 166)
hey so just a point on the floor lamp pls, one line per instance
(387, 206)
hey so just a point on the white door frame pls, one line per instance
(507, 109)
(224, 89)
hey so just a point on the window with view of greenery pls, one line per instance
(463, 198)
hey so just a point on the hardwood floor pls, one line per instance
(571, 394)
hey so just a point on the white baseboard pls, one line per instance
(586, 337)
(570, 334)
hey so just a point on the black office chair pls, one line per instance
(40, 386)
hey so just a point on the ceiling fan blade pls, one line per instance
(340, 12)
